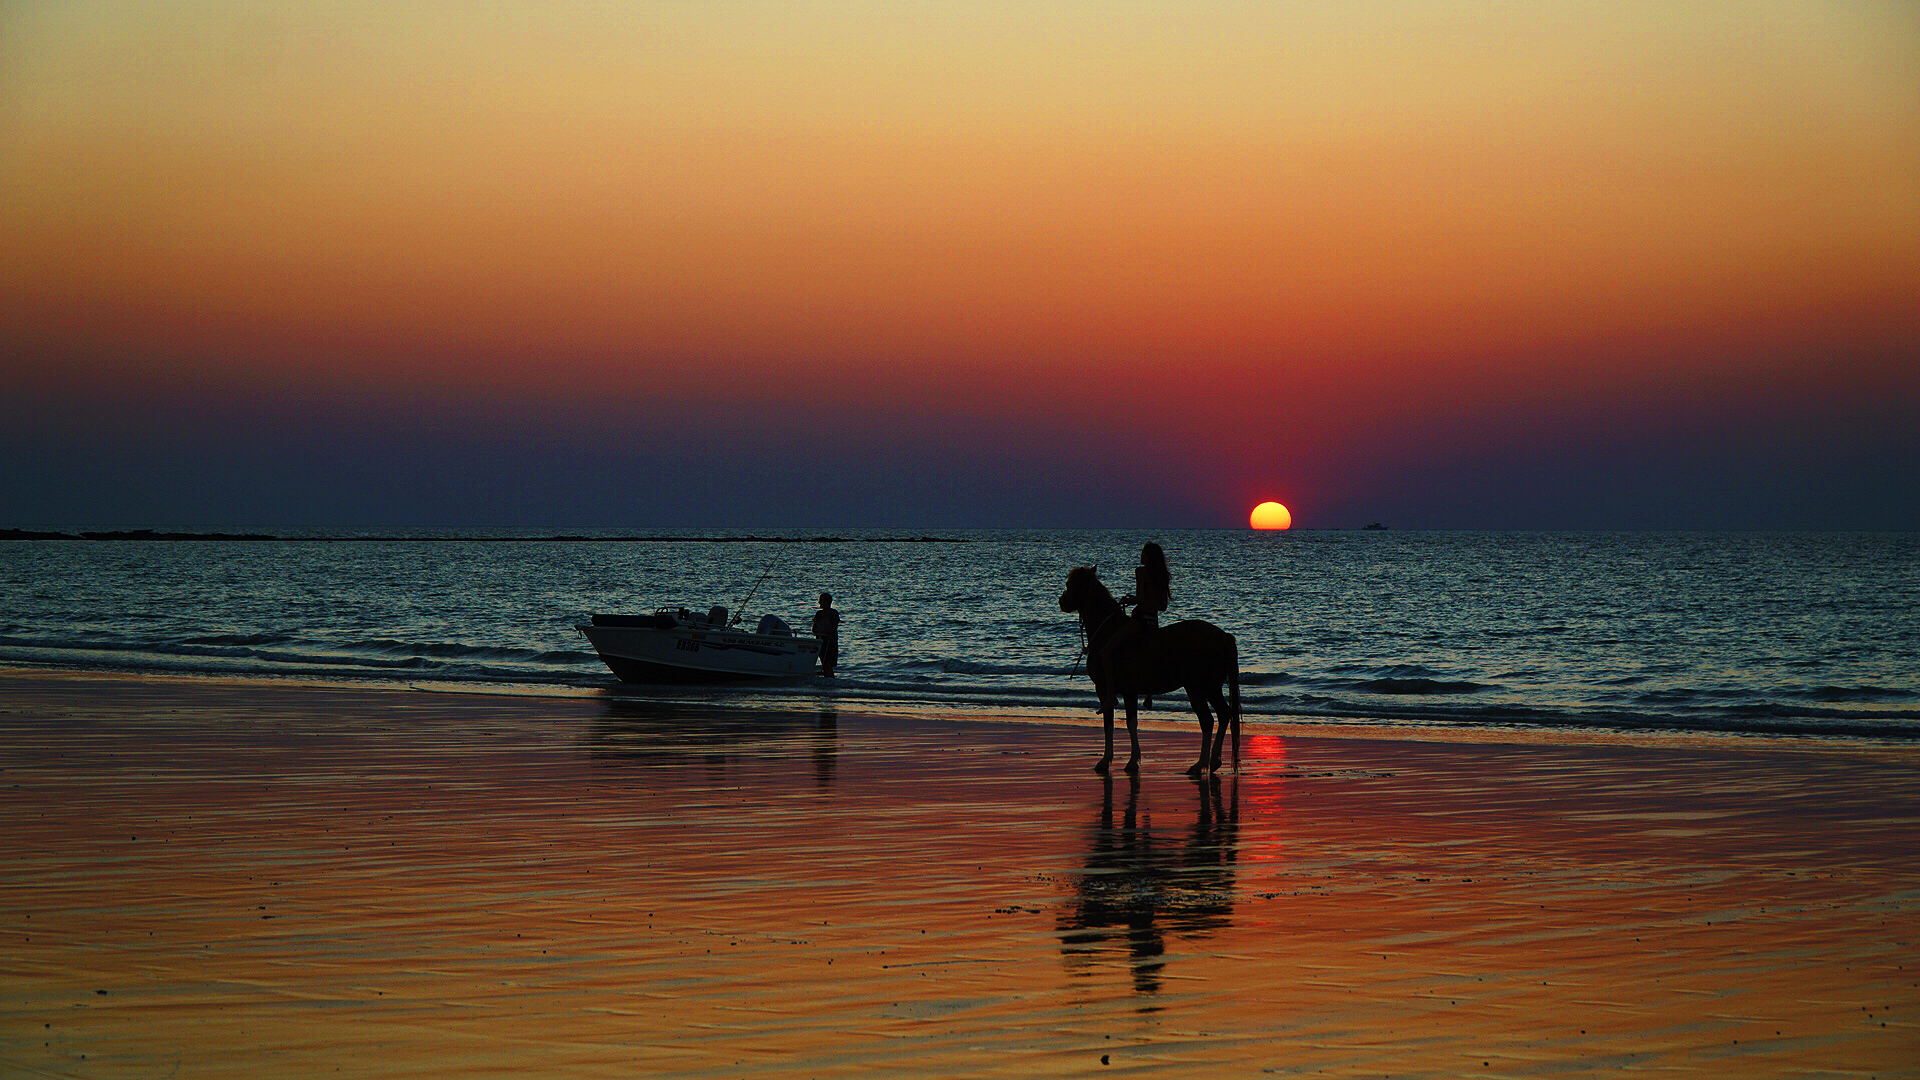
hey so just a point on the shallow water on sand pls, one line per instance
(1780, 632)
(215, 881)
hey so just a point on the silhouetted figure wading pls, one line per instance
(826, 627)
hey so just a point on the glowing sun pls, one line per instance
(1270, 515)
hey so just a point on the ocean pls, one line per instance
(1784, 633)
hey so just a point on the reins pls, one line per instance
(1086, 637)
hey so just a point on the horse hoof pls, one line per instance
(1196, 769)
(1100, 766)
(1133, 766)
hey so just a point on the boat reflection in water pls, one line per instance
(1139, 887)
(676, 734)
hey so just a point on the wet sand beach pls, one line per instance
(206, 879)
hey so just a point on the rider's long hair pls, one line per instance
(1155, 562)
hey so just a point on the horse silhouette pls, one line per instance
(1193, 655)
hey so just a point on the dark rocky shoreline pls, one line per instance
(149, 534)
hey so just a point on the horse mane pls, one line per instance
(1087, 579)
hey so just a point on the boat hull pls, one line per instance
(639, 654)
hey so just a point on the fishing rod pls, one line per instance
(739, 610)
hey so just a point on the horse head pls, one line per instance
(1083, 588)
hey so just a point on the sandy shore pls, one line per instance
(211, 880)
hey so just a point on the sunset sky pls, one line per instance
(761, 264)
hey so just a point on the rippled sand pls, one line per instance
(209, 880)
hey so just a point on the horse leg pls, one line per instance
(1227, 719)
(1133, 732)
(1233, 693)
(1106, 760)
(1236, 736)
(1103, 689)
(1199, 700)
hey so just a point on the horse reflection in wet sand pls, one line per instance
(1196, 656)
(1137, 888)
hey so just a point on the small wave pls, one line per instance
(918, 688)
(1691, 696)
(1856, 693)
(1418, 686)
(409, 663)
(481, 673)
(1386, 671)
(955, 666)
(441, 649)
(1775, 708)
(974, 667)
(80, 642)
(284, 649)
(183, 649)
(1768, 719)
(565, 657)
(238, 639)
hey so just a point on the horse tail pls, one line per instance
(1233, 691)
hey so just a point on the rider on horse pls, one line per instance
(1152, 591)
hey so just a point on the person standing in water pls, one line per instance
(826, 627)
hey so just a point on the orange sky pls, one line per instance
(1219, 213)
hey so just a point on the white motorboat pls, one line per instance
(674, 645)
